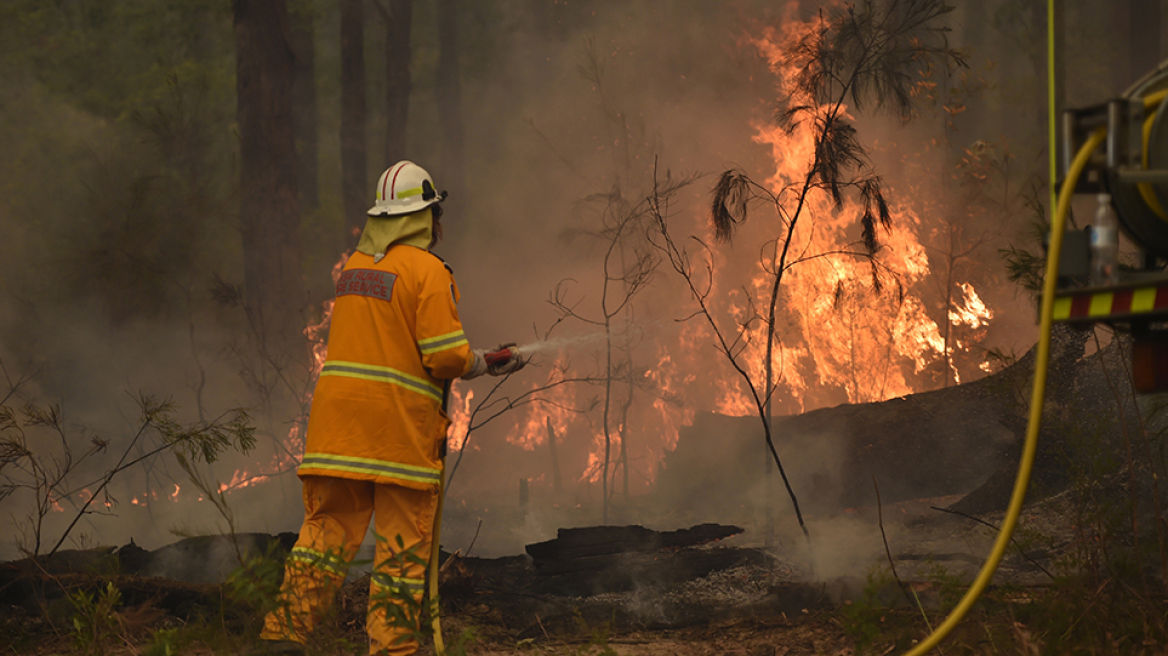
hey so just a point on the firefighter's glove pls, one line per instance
(504, 360)
(478, 364)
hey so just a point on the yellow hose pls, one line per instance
(435, 620)
(1145, 188)
(1154, 99)
(1057, 227)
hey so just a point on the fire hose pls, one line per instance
(498, 357)
(435, 620)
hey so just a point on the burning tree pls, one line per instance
(866, 53)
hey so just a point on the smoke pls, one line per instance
(571, 111)
(557, 344)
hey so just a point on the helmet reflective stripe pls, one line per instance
(405, 187)
(385, 180)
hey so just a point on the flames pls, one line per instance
(554, 409)
(148, 496)
(840, 328)
(460, 412)
(843, 334)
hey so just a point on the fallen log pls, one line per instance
(598, 559)
(595, 575)
(938, 443)
(598, 540)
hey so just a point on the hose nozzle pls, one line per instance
(501, 356)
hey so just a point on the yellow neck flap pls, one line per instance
(381, 232)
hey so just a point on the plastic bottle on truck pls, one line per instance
(1104, 244)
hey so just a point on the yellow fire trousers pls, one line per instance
(336, 516)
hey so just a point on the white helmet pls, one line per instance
(405, 187)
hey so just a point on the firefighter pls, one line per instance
(377, 423)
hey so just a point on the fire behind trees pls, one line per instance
(871, 54)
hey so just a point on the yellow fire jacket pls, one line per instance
(394, 341)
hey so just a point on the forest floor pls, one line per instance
(1006, 622)
(816, 633)
(1053, 595)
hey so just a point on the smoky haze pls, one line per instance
(119, 217)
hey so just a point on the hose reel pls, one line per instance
(1133, 168)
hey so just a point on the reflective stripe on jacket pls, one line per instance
(395, 339)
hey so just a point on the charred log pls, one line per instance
(599, 559)
(574, 543)
(939, 443)
(583, 577)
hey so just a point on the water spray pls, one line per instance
(505, 353)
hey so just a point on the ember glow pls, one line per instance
(595, 468)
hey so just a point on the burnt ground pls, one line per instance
(750, 601)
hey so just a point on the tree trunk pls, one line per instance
(269, 208)
(354, 199)
(397, 79)
(450, 99)
(304, 113)
(950, 262)
(607, 404)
